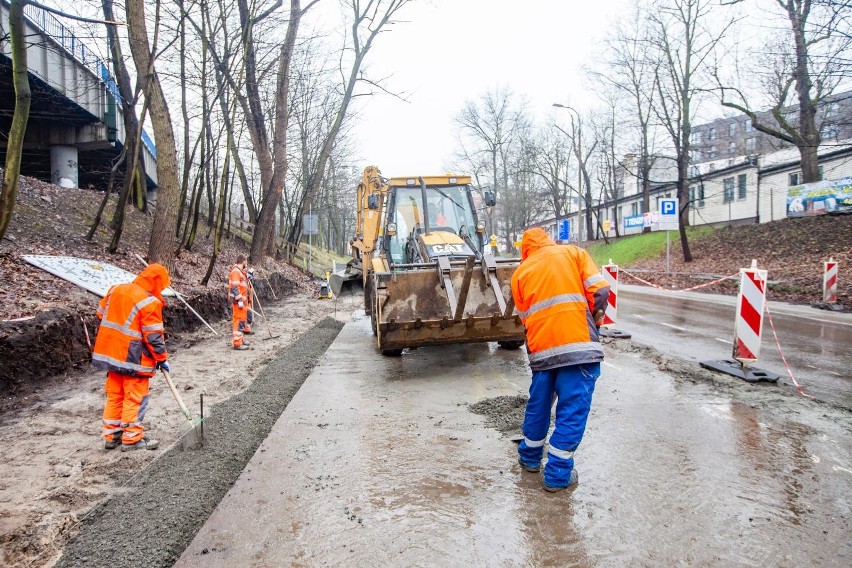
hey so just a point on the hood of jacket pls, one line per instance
(533, 240)
(154, 279)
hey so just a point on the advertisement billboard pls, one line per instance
(820, 197)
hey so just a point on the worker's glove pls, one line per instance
(251, 274)
(164, 365)
(599, 318)
(241, 304)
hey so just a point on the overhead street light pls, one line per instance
(587, 197)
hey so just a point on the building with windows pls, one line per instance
(727, 138)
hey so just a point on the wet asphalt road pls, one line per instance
(378, 461)
(816, 344)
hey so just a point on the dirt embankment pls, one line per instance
(47, 323)
(59, 339)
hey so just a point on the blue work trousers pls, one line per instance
(573, 386)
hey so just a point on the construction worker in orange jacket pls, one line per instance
(561, 298)
(238, 296)
(131, 346)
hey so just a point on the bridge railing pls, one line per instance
(77, 50)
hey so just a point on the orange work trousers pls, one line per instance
(126, 404)
(239, 322)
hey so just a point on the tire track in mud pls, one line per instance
(156, 515)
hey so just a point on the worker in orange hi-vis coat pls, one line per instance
(561, 299)
(238, 295)
(131, 346)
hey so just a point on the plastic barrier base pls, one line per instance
(737, 369)
(614, 333)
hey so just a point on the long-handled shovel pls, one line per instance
(189, 434)
(256, 298)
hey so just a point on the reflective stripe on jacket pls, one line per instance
(131, 337)
(556, 290)
(237, 285)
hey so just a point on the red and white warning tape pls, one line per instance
(731, 277)
(784, 359)
(771, 324)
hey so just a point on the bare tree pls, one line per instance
(23, 97)
(805, 73)
(685, 44)
(632, 69)
(491, 124)
(369, 19)
(164, 229)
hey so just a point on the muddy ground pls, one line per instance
(141, 508)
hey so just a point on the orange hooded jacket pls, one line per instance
(556, 290)
(131, 338)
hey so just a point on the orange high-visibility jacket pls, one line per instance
(131, 338)
(237, 285)
(556, 290)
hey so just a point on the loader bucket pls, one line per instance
(345, 277)
(447, 302)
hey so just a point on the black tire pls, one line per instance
(370, 305)
(511, 345)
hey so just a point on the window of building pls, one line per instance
(696, 196)
(695, 155)
(732, 148)
(828, 131)
(621, 212)
(732, 129)
(751, 143)
(634, 209)
(695, 137)
(747, 127)
(729, 190)
(795, 178)
(741, 186)
(831, 109)
(711, 152)
(711, 134)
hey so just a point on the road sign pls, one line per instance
(564, 229)
(310, 224)
(668, 214)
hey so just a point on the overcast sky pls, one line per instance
(450, 51)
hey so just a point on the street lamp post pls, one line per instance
(587, 194)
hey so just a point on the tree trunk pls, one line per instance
(263, 241)
(162, 245)
(15, 144)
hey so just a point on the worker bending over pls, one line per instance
(557, 289)
(131, 346)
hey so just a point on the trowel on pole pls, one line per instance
(255, 297)
(190, 435)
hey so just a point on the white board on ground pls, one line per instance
(92, 275)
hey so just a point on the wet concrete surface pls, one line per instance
(379, 461)
(816, 344)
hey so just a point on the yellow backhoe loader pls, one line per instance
(422, 256)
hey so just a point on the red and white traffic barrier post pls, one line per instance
(829, 282)
(610, 274)
(748, 326)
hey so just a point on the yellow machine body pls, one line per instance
(428, 276)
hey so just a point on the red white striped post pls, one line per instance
(829, 282)
(750, 303)
(610, 274)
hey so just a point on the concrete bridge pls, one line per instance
(75, 129)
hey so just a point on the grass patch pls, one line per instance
(318, 259)
(627, 250)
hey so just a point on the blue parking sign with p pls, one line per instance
(668, 207)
